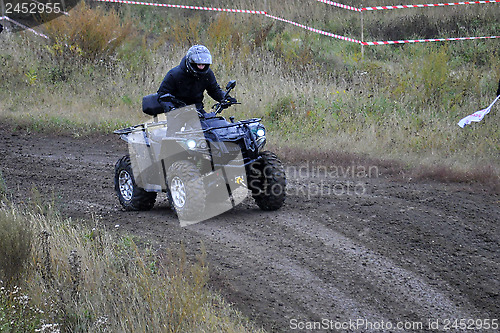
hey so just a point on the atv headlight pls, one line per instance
(191, 144)
(259, 133)
(194, 145)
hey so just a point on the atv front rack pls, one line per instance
(144, 126)
(140, 127)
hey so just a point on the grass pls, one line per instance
(313, 92)
(59, 275)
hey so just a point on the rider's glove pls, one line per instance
(228, 102)
(167, 106)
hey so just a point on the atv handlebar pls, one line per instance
(225, 103)
(219, 107)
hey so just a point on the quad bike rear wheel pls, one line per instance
(268, 182)
(187, 190)
(131, 196)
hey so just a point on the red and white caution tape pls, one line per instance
(336, 4)
(356, 9)
(23, 26)
(314, 30)
(329, 34)
(428, 5)
(235, 11)
(389, 42)
(187, 7)
(477, 116)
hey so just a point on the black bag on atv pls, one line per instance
(151, 106)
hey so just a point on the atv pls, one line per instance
(203, 162)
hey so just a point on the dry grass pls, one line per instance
(486, 175)
(15, 246)
(78, 279)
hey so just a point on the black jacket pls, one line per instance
(188, 88)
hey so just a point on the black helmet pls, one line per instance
(198, 54)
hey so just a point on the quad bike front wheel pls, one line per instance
(187, 190)
(131, 196)
(268, 182)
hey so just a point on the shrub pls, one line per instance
(434, 73)
(15, 245)
(90, 33)
(183, 31)
(284, 107)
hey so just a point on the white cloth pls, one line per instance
(477, 116)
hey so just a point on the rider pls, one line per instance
(188, 81)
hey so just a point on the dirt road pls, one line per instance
(364, 252)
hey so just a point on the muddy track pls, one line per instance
(371, 250)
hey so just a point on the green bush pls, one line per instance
(90, 33)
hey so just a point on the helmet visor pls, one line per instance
(201, 58)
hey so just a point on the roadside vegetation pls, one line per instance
(60, 275)
(313, 92)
